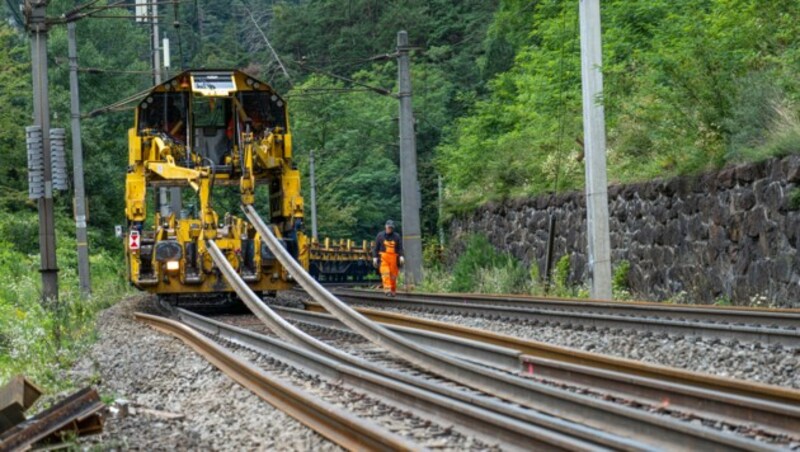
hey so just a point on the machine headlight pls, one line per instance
(173, 266)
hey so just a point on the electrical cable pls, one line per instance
(120, 103)
(379, 90)
(271, 49)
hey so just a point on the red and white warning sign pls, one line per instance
(133, 240)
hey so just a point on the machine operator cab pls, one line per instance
(206, 112)
(210, 130)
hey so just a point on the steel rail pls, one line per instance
(772, 318)
(713, 404)
(334, 423)
(512, 434)
(78, 414)
(581, 316)
(294, 335)
(537, 349)
(659, 431)
(472, 350)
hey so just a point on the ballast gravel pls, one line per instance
(769, 364)
(774, 364)
(412, 426)
(175, 399)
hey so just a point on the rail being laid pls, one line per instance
(553, 432)
(492, 427)
(714, 399)
(750, 325)
(337, 425)
(659, 431)
(535, 349)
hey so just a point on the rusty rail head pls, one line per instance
(657, 430)
(79, 412)
(334, 423)
(16, 397)
(569, 355)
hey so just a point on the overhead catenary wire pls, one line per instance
(271, 49)
(97, 70)
(90, 10)
(376, 89)
(117, 105)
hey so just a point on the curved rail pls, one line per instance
(751, 325)
(709, 401)
(339, 426)
(543, 350)
(511, 433)
(659, 431)
(550, 429)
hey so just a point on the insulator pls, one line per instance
(58, 159)
(33, 141)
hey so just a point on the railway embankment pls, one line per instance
(164, 396)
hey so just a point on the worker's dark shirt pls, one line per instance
(380, 247)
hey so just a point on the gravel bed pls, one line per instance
(356, 345)
(178, 400)
(776, 365)
(407, 424)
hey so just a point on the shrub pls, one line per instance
(437, 280)
(432, 255)
(481, 268)
(794, 199)
(619, 281)
(561, 273)
(40, 341)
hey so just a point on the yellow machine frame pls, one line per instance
(168, 149)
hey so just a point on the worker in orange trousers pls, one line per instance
(388, 256)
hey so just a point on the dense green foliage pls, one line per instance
(481, 268)
(15, 93)
(36, 339)
(356, 131)
(688, 85)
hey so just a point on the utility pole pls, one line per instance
(175, 196)
(77, 165)
(313, 197)
(163, 198)
(36, 16)
(409, 184)
(594, 130)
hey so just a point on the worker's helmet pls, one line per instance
(390, 224)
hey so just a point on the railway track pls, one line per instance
(336, 424)
(732, 324)
(554, 432)
(367, 283)
(638, 425)
(424, 395)
(703, 395)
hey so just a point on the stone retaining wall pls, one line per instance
(733, 233)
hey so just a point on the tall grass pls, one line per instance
(40, 340)
(481, 268)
